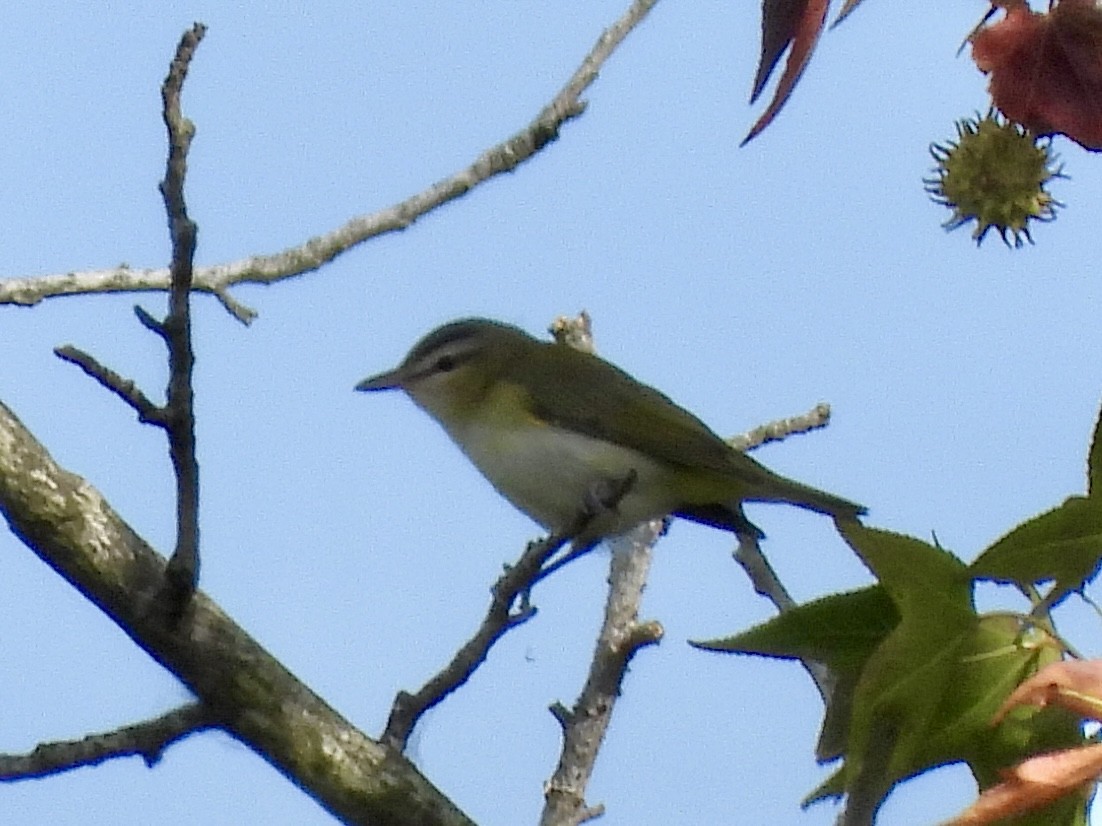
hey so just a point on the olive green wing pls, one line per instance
(587, 394)
(584, 393)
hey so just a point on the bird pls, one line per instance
(578, 444)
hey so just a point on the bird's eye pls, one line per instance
(445, 364)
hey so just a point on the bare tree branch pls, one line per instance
(67, 523)
(621, 636)
(125, 389)
(816, 417)
(512, 587)
(183, 567)
(748, 553)
(765, 581)
(317, 251)
(408, 708)
(147, 740)
(177, 416)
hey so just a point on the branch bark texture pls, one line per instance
(69, 525)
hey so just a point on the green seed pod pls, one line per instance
(995, 174)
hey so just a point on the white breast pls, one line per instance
(546, 472)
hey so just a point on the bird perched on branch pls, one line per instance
(578, 444)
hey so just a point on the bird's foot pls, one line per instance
(604, 494)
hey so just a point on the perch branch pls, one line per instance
(512, 588)
(620, 638)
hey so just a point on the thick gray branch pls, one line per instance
(67, 523)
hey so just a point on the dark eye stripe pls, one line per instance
(437, 362)
(452, 334)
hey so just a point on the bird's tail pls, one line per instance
(729, 516)
(809, 498)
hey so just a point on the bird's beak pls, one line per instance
(390, 380)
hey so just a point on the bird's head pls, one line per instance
(451, 370)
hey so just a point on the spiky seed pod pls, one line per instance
(995, 174)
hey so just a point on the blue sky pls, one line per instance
(349, 536)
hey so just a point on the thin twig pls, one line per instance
(765, 581)
(150, 323)
(177, 416)
(182, 573)
(319, 250)
(148, 740)
(408, 708)
(513, 588)
(816, 417)
(748, 553)
(125, 389)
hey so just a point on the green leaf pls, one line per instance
(835, 630)
(923, 581)
(1094, 460)
(904, 682)
(919, 676)
(833, 788)
(897, 690)
(841, 631)
(993, 660)
(927, 695)
(1063, 544)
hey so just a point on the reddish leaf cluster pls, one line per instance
(784, 23)
(1046, 68)
(1075, 685)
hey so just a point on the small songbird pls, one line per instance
(553, 427)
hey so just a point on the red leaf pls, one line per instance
(1032, 784)
(1046, 69)
(847, 7)
(779, 19)
(784, 22)
(1073, 684)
